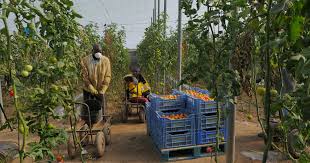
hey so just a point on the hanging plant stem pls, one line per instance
(268, 84)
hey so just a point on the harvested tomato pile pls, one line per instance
(196, 94)
(169, 97)
(175, 116)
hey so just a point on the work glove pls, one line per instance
(92, 89)
(103, 90)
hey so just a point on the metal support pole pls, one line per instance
(154, 16)
(158, 13)
(155, 9)
(231, 136)
(2, 118)
(230, 148)
(165, 16)
(165, 26)
(180, 43)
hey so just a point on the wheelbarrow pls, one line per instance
(132, 107)
(92, 128)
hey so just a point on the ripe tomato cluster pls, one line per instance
(196, 94)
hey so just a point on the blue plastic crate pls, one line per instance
(208, 121)
(161, 104)
(206, 136)
(165, 125)
(177, 92)
(174, 140)
(203, 91)
(151, 124)
(148, 117)
(198, 106)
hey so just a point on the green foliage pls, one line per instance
(114, 49)
(92, 35)
(150, 49)
(114, 41)
(287, 44)
(211, 51)
(305, 157)
(52, 139)
(157, 53)
(288, 49)
(51, 46)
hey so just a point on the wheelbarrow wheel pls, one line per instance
(71, 147)
(107, 135)
(142, 115)
(295, 147)
(100, 143)
(125, 114)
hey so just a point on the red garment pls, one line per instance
(139, 100)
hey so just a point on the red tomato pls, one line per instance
(59, 159)
(209, 150)
(11, 93)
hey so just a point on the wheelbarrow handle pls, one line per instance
(89, 118)
(88, 110)
(9, 124)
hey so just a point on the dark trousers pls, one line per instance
(101, 99)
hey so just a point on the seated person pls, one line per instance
(138, 88)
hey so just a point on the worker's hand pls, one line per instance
(92, 90)
(101, 92)
(103, 89)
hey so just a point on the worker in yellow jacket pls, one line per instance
(96, 73)
(138, 88)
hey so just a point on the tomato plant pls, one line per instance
(213, 48)
(157, 54)
(113, 44)
(282, 49)
(42, 59)
(261, 43)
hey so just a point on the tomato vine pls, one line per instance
(42, 61)
(277, 47)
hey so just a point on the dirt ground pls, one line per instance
(131, 144)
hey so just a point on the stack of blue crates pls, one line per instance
(206, 118)
(198, 128)
(168, 133)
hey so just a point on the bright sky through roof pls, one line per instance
(134, 15)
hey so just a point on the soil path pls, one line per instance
(131, 144)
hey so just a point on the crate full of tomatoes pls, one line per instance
(198, 102)
(167, 102)
(174, 129)
(205, 108)
(174, 121)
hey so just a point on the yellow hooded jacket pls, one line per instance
(138, 90)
